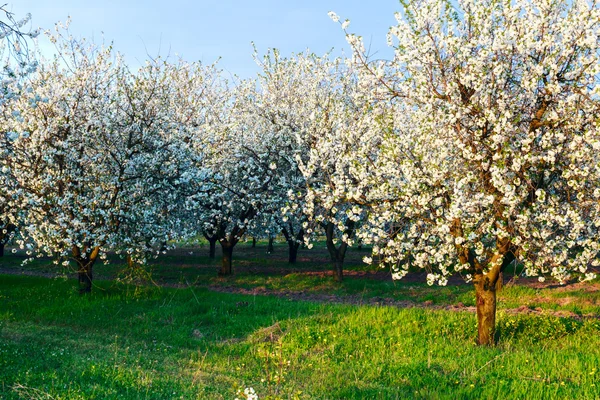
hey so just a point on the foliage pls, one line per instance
(492, 150)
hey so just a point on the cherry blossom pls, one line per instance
(490, 154)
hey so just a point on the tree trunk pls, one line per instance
(85, 263)
(5, 237)
(226, 262)
(85, 276)
(337, 254)
(270, 248)
(293, 242)
(213, 248)
(293, 254)
(339, 270)
(212, 242)
(500, 282)
(485, 292)
(253, 242)
(485, 284)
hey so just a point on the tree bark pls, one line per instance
(85, 275)
(293, 253)
(486, 284)
(253, 242)
(212, 242)
(500, 282)
(130, 263)
(293, 242)
(226, 262)
(229, 240)
(485, 293)
(486, 287)
(5, 237)
(85, 263)
(337, 254)
(213, 248)
(270, 247)
(339, 270)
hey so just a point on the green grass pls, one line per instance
(185, 262)
(160, 343)
(575, 299)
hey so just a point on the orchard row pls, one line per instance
(476, 146)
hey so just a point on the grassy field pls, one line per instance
(257, 272)
(189, 341)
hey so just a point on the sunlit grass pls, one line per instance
(149, 342)
(260, 272)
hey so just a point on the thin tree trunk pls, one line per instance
(485, 292)
(85, 263)
(228, 242)
(85, 275)
(253, 242)
(293, 253)
(270, 248)
(337, 254)
(212, 242)
(226, 262)
(339, 270)
(213, 248)
(500, 282)
(293, 242)
(5, 237)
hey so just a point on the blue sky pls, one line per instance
(208, 29)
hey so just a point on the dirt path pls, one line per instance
(386, 301)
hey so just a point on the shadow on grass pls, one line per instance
(130, 342)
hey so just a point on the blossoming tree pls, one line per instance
(242, 188)
(279, 109)
(97, 156)
(493, 155)
(312, 103)
(17, 63)
(155, 110)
